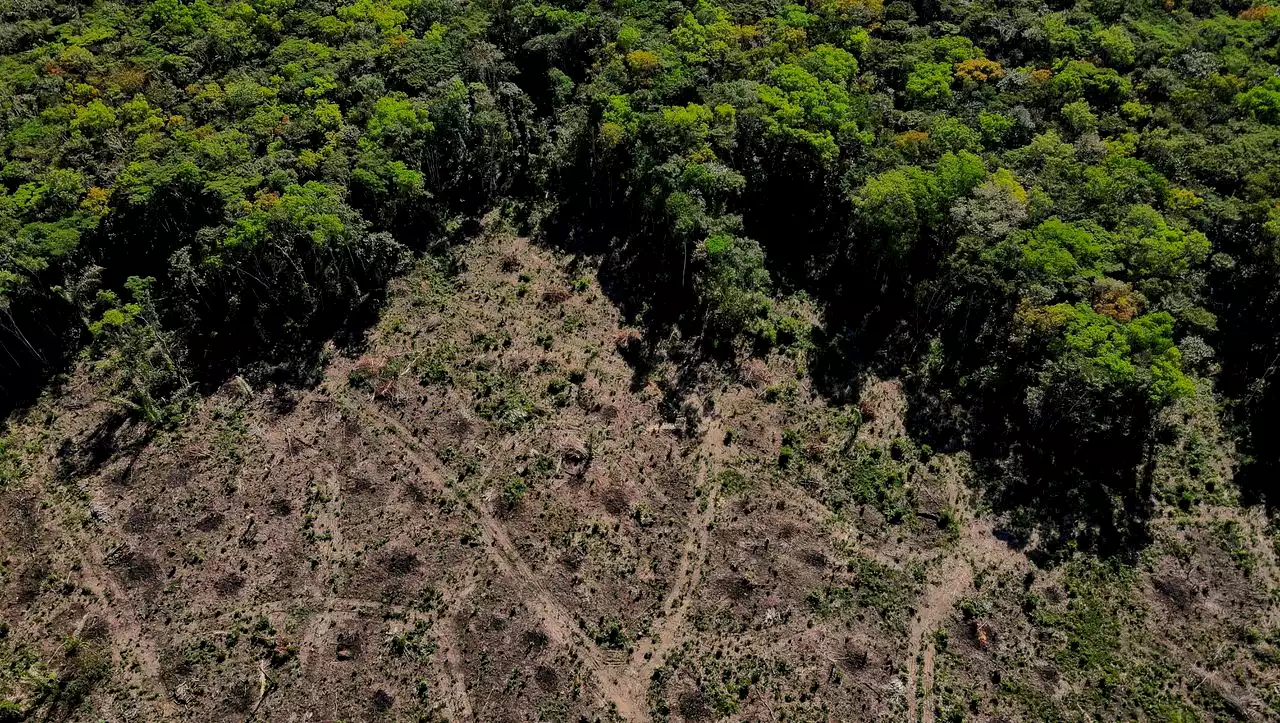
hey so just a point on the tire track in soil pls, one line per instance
(561, 624)
(649, 654)
(460, 705)
(95, 573)
(978, 547)
(926, 682)
(938, 601)
(625, 687)
(127, 622)
(336, 609)
(457, 703)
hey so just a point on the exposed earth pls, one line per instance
(487, 513)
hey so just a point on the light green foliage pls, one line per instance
(397, 120)
(705, 34)
(952, 49)
(387, 16)
(1262, 101)
(900, 202)
(930, 84)
(394, 181)
(831, 64)
(314, 209)
(54, 195)
(1152, 248)
(1097, 354)
(176, 18)
(95, 117)
(813, 110)
(685, 126)
(141, 363)
(953, 134)
(1079, 117)
(994, 126)
(1080, 80)
(327, 115)
(629, 37)
(1117, 46)
(1109, 343)
(897, 202)
(1059, 33)
(735, 283)
(957, 174)
(619, 120)
(1057, 252)
(1135, 112)
(857, 41)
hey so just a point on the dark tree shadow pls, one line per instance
(1246, 299)
(1057, 483)
(37, 343)
(113, 436)
(1061, 478)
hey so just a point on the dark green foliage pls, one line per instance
(1059, 221)
(611, 634)
(255, 161)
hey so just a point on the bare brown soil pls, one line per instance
(484, 515)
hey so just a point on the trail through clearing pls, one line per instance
(978, 549)
(559, 622)
(623, 686)
(649, 653)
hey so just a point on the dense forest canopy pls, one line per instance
(1056, 218)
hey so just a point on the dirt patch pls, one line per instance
(482, 516)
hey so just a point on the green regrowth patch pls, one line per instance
(500, 398)
(873, 586)
(415, 643)
(735, 483)
(870, 476)
(722, 681)
(10, 460)
(1097, 640)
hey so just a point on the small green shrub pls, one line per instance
(733, 482)
(513, 492)
(785, 456)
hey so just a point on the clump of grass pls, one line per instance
(733, 482)
(874, 586)
(788, 453)
(500, 399)
(513, 492)
(10, 460)
(415, 643)
(870, 476)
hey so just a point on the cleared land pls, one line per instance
(487, 514)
